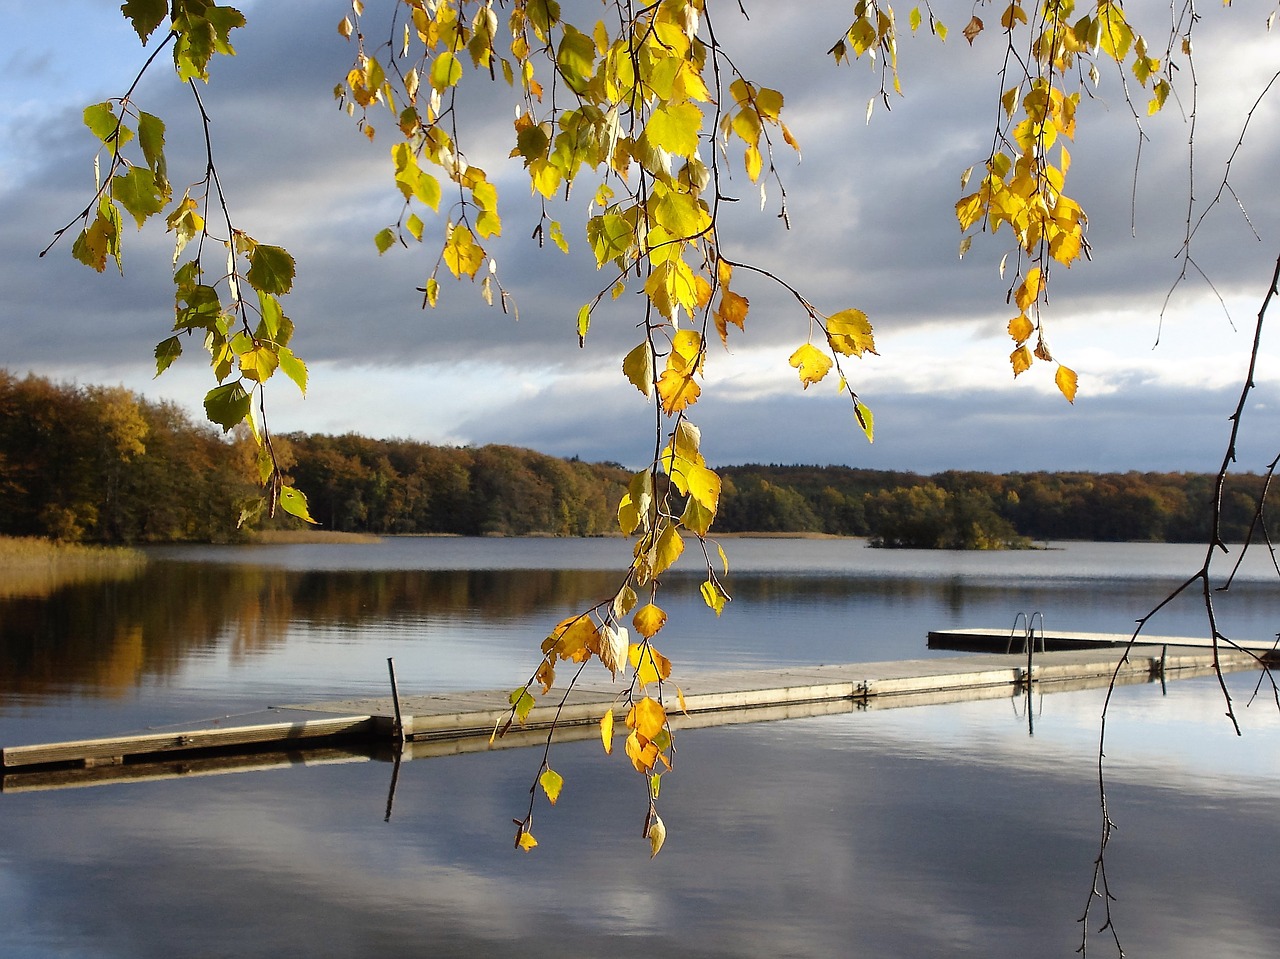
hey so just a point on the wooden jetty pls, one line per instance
(450, 723)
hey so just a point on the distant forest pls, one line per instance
(100, 464)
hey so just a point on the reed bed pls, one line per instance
(31, 566)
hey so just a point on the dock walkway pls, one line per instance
(457, 722)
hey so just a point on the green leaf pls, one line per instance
(138, 192)
(227, 405)
(145, 15)
(865, 420)
(576, 59)
(198, 308)
(271, 269)
(105, 125)
(294, 368)
(523, 703)
(584, 322)
(675, 128)
(293, 502)
(446, 71)
(532, 142)
(384, 240)
(551, 782)
(166, 352)
(151, 139)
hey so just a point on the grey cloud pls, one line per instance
(871, 209)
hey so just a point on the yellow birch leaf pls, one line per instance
(732, 309)
(678, 391)
(525, 840)
(714, 596)
(703, 485)
(680, 699)
(1029, 290)
(624, 601)
(811, 363)
(1020, 328)
(643, 755)
(647, 718)
(688, 345)
(697, 518)
(670, 546)
(462, 254)
(546, 675)
(551, 782)
(1066, 382)
(1021, 360)
(606, 732)
(649, 664)
(647, 621)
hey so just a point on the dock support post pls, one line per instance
(398, 732)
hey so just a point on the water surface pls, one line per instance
(928, 831)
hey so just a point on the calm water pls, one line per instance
(929, 831)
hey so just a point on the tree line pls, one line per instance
(101, 464)
(973, 510)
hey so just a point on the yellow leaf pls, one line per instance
(1021, 360)
(551, 782)
(1066, 382)
(643, 755)
(1020, 328)
(678, 391)
(525, 840)
(1029, 290)
(650, 665)
(667, 550)
(624, 601)
(811, 363)
(849, 332)
(647, 718)
(680, 699)
(647, 621)
(715, 597)
(574, 639)
(462, 254)
(606, 732)
(703, 485)
(637, 367)
(732, 309)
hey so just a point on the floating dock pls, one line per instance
(450, 723)
(989, 640)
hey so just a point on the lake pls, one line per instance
(943, 830)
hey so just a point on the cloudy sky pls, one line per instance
(872, 226)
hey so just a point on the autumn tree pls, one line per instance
(641, 111)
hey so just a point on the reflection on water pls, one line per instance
(917, 832)
(940, 831)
